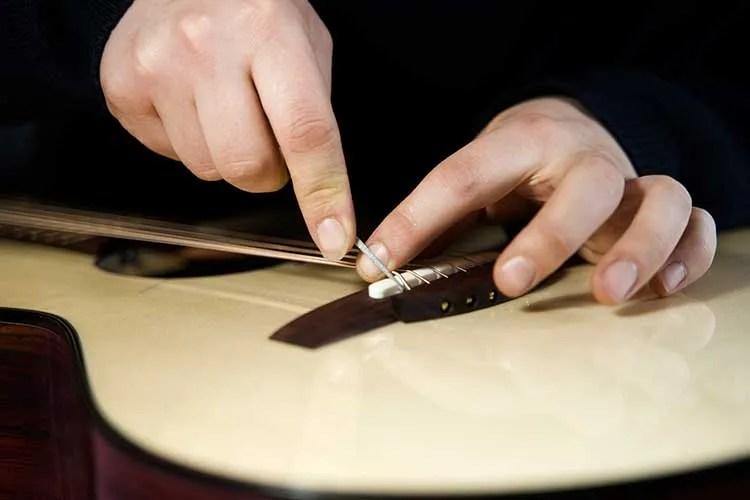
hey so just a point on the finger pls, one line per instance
(239, 140)
(149, 131)
(139, 118)
(130, 105)
(474, 177)
(647, 243)
(320, 41)
(693, 256)
(586, 197)
(323, 55)
(180, 119)
(295, 98)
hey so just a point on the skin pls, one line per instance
(199, 81)
(549, 159)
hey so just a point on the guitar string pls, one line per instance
(135, 228)
(52, 236)
(64, 236)
(43, 233)
(77, 222)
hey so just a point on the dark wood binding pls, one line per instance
(54, 444)
(44, 432)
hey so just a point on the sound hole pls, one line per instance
(165, 261)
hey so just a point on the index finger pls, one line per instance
(296, 99)
(479, 174)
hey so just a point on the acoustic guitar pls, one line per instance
(125, 386)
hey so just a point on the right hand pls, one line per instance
(239, 90)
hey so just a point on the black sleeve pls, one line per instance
(679, 105)
(694, 130)
(50, 52)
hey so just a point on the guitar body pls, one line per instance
(118, 387)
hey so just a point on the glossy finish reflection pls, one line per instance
(545, 391)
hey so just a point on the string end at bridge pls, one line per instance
(378, 263)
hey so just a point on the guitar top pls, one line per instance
(547, 391)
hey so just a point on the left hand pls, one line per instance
(548, 156)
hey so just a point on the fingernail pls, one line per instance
(367, 268)
(673, 275)
(518, 275)
(620, 278)
(332, 239)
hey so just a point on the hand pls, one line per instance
(235, 89)
(548, 156)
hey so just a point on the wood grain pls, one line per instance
(44, 434)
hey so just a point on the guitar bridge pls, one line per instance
(427, 274)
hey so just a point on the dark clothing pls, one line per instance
(416, 80)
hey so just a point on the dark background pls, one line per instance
(413, 82)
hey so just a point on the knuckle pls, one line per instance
(189, 36)
(532, 136)
(704, 218)
(556, 242)
(323, 194)
(706, 254)
(261, 14)
(116, 92)
(667, 186)
(204, 172)
(325, 40)
(673, 198)
(606, 174)
(460, 177)
(150, 54)
(310, 132)
(705, 229)
(402, 225)
(243, 170)
(683, 196)
(603, 167)
(196, 32)
(538, 126)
